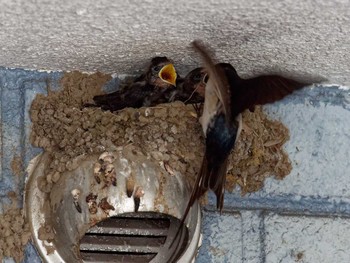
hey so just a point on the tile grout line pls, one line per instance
(262, 235)
(251, 244)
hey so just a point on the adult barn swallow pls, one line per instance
(226, 97)
(146, 90)
(220, 131)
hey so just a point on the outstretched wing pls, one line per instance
(246, 93)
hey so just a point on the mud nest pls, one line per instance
(169, 134)
(14, 231)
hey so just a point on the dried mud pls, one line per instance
(14, 231)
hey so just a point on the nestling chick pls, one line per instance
(150, 89)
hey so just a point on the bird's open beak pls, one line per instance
(168, 74)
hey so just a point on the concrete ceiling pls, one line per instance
(120, 36)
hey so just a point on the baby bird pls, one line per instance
(146, 90)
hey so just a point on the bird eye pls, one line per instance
(197, 77)
(156, 68)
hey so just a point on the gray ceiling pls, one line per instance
(120, 36)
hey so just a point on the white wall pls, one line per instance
(120, 36)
